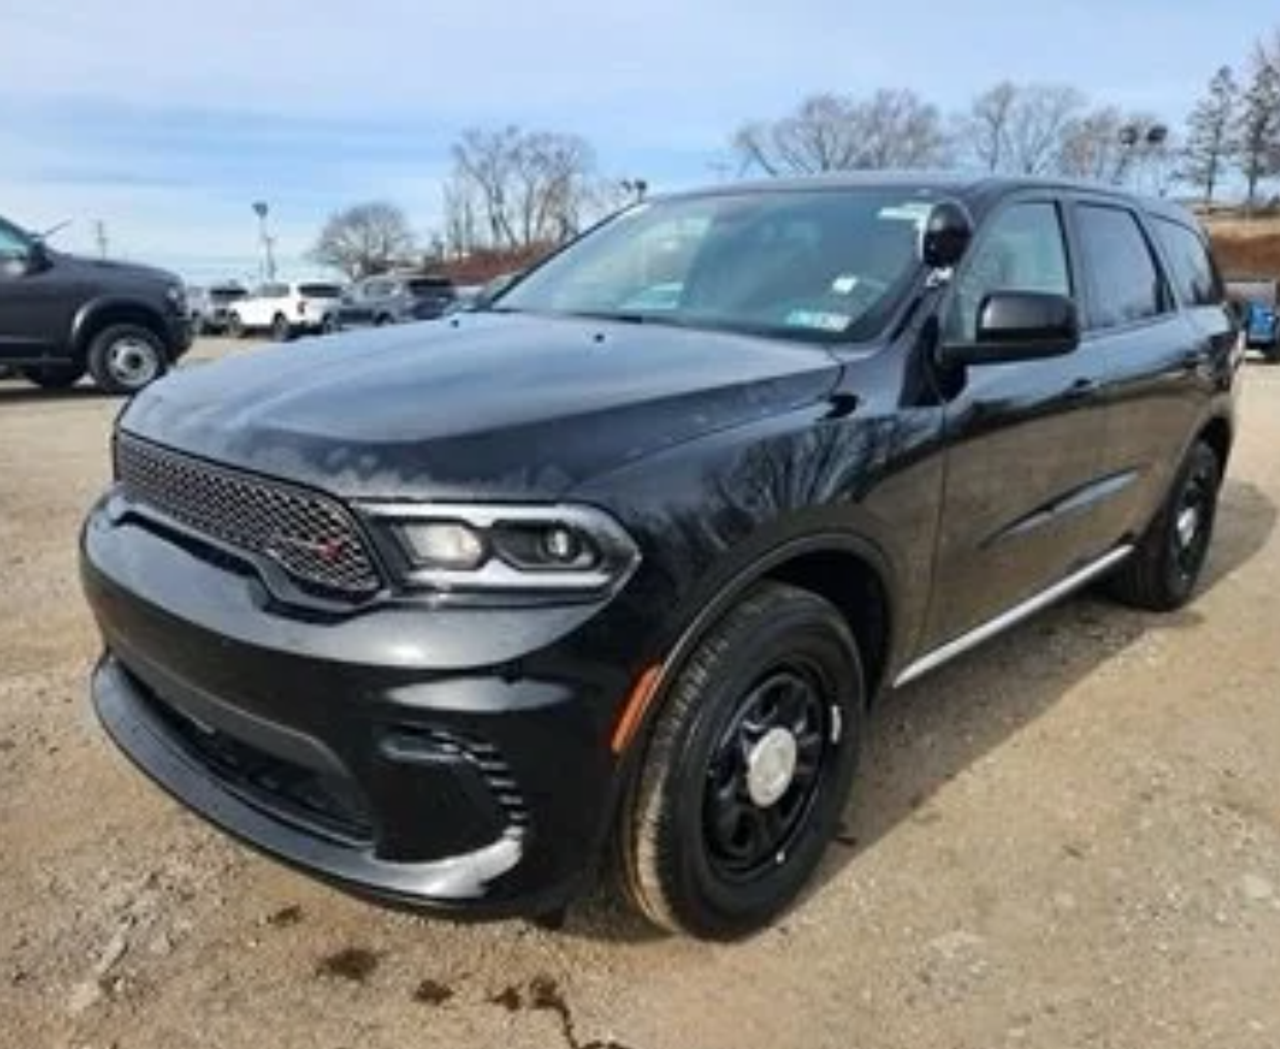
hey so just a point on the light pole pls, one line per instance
(637, 187)
(261, 209)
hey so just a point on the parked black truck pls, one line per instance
(62, 316)
(616, 565)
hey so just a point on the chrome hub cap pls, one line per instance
(771, 767)
(132, 362)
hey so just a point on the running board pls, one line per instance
(1012, 617)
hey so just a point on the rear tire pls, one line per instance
(748, 768)
(1271, 354)
(126, 358)
(1162, 573)
(54, 376)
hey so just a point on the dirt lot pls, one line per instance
(1071, 838)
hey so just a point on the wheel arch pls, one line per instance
(1219, 435)
(100, 314)
(851, 572)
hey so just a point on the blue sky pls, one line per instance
(166, 119)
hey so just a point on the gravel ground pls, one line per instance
(1071, 838)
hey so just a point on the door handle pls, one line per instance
(1083, 387)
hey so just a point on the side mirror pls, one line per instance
(946, 235)
(1019, 326)
(38, 259)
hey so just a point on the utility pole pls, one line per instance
(100, 235)
(261, 209)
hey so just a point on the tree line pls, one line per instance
(513, 191)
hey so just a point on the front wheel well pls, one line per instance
(109, 316)
(857, 591)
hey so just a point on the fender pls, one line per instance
(84, 322)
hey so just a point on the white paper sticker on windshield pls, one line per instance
(844, 284)
(818, 320)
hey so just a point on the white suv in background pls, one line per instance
(285, 310)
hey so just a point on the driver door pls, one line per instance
(31, 325)
(1025, 441)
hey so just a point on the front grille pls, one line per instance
(313, 538)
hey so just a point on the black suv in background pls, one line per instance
(622, 561)
(376, 301)
(61, 316)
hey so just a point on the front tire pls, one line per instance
(126, 358)
(748, 768)
(1162, 573)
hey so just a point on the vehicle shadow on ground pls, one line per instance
(923, 737)
(18, 392)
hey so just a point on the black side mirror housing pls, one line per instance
(946, 235)
(38, 259)
(1019, 326)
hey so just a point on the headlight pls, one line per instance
(497, 548)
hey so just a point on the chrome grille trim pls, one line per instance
(313, 538)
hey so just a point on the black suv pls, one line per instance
(61, 316)
(617, 566)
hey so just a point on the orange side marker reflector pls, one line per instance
(633, 710)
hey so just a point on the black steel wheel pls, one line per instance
(747, 768)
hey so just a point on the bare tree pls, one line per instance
(1020, 129)
(364, 239)
(511, 189)
(827, 132)
(1210, 130)
(984, 129)
(1258, 124)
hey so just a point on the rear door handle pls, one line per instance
(1082, 388)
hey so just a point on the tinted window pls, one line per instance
(273, 291)
(376, 289)
(433, 286)
(13, 245)
(226, 294)
(1022, 249)
(1123, 278)
(816, 265)
(319, 291)
(1192, 269)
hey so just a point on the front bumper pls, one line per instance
(460, 766)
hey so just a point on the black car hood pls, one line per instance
(109, 270)
(483, 406)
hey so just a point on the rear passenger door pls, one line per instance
(1166, 338)
(1025, 439)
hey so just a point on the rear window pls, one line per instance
(1193, 271)
(1126, 284)
(226, 294)
(319, 291)
(430, 286)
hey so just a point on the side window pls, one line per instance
(13, 246)
(1192, 269)
(1124, 280)
(1021, 249)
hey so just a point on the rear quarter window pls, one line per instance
(1191, 266)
